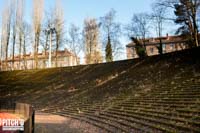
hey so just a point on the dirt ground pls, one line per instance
(48, 123)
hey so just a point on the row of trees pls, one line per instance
(16, 31)
(19, 34)
(12, 25)
(184, 13)
(105, 32)
(111, 33)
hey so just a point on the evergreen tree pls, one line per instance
(140, 49)
(109, 57)
(186, 16)
(112, 29)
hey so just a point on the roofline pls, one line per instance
(157, 43)
(162, 38)
(30, 56)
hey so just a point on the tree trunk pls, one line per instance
(76, 60)
(24, 54)
(13, 52)
(36, 50)
(7, 44)
(1, 55)
(45, 53)
(20, 51)
(196, 39)
(161, 48)
(194, 20)
(57, 45)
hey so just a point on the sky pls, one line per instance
(75, 11)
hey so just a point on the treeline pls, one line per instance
(182, 13)
(100, 37)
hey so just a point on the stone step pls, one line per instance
(159, 116)
(171, 127)
(101, 123)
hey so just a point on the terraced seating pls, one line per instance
(171, 112)
(157, 94)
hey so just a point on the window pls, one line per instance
(65, 59)
(164, 47)
(152, 50)
(172, 46)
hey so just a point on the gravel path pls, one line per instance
(48, 123)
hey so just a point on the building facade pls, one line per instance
(169, 44)
(24, 62)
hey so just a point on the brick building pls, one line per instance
(64, 58)
(169, 43)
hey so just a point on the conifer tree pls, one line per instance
(109, 56)
(186, 16)
(140, 49)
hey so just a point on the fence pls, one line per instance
(25, 110)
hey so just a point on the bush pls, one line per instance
(140, 49)
(141, 52)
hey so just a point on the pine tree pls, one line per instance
(186, 16)
(112, 29)
(109, 56)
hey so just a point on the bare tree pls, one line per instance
(3, 40)
(7, 28)
(139, 27)
(74, 40)
(186, 15)
(167, 3)
(59, 26)
(12, 12)
(91, 40)
(158, 21)
(0, 51)
(14, 29)
(112, 32)
(37, 20)
(47, 24)
(20, 25)
(26, 40)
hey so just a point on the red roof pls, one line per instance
(61, 53)
(165, 40)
